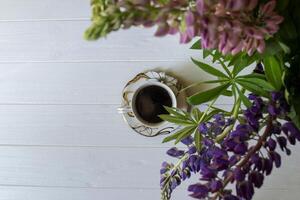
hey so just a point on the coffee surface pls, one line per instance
(150, 101)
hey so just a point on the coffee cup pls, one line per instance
(148, 101)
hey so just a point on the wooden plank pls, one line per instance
(38, 193)
(44, 10)
(104, 168)
(80, 167)
(70, 125)
(82, 83)
(63, 41)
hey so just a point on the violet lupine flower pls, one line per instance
(234, 160)
(224, 25)
(231, 26)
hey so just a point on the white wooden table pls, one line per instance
(60, 135)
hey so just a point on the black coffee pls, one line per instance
(149, 103)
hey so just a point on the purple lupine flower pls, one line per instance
(228, 157)
(245, 190)
(276, 96)
(259, 69)
(241, 148)
(190, 18)
(188, 140)
(203, 129)
(239, 174)
(174, 152)
(273, 110)
(199, 191)
(271, 143)
(162, 30)
(192, 150)
(256, 178)
(282, 142)
(267, 166)
(291, 130)
(276, 158)
(234, 159)
(230, 197)
(208, 173)
(215, 185)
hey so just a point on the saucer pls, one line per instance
(134, 84)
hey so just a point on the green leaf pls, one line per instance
(176, 112)
(239, 64)
(209, 69)
(186, 133)
(211, 114)
(196, 114)
(262, 83)
(253, 75)
(206, 53)
(273, 71)
(235, 59)
(216, 56)
(288, 29)
(225, 67)
(221, 110)
(253, 88)
(281, 5)
(197, 45)
(295, 116)
(176, 120)
(178, 133)
(198, 140)
(285, 48)
(272, 48)
(227, 93)
(244, 99)
(207, 95)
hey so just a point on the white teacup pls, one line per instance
(147, 102)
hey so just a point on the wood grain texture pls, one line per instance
(92, 167)
(62, 41)
(82, 83)
(70, 125)
(29, 193)
(33, 10)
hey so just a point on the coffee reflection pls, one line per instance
(149, 103)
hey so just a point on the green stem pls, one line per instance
(207, 109)
(202, 82)
(235, 113)
(225, 68)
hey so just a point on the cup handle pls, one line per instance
(124, 109)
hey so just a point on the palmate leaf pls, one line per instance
(209, 69)
(243, 98)
(253, 75)
(273, 71)
(197, 114)
(207, 95)
(196, 45)
(176, 120)
(185, 131)
(209, 115)
(254, 88)
(227, 93)
(177, 113)
(198, 140)
(261, 82)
